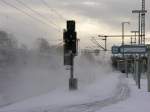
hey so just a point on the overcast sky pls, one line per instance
(92, 17)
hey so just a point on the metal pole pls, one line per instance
(136, 74)
(123, 38)
(71, 69)
(139, 28)
(148, 72)
(135, 38)
(135, 35)
(122, 33)
(105, 43)
(73, 82)
(131, 40)
(126, 66)
(139, 62)
(123, 23)
(139, 73)
(143, 22)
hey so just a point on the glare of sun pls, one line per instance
(89, 3)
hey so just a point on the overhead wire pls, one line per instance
(36, 12)
(27, 14)
(51, 9)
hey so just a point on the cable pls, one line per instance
(56, 12)
(27, 14)
(26, 6)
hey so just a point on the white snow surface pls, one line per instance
(138, 101)
(43, 81)
(44, 88)
(62, 97)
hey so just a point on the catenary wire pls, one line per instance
(27, 14)
(37, 13)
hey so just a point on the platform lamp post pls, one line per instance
(125, 60)
(123, 25)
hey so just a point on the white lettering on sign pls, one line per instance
(133, 50)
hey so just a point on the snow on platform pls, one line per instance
(138, 101)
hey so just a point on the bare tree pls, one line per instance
(8, 47)
(43, 45)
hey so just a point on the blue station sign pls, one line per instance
(130, 49)
(115, 49)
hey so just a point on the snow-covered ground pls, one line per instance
(62, 98)
(44, 88)
(138, 101)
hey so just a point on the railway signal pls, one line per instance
(70, 51)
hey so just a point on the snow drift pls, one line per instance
(26, 73)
